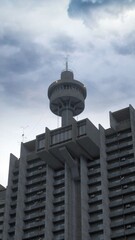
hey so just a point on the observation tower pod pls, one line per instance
(67, 97)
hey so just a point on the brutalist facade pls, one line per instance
(75, 182)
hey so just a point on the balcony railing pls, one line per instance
(61, 135)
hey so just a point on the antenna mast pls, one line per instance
(67, 63)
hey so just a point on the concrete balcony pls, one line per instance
(93, 172)
(59, 182)
(35, 205)
(59, 209)
(15, 186)
(36, 197)
(119, 163)
(59, 199)
(12, 221)
(118, 137)
(96, 229)
(121, 172)
(13, 211)
(126, 162)
(35, 215)
(93, 209)
(118, 233)
(121, 212)
(93, 190)
(93, 198)
(118, 212)
(80, 138)
(14, 194)
(1, 227)
(119, 154)
(130, 231)
(94, 164)
(1, 218)
(118, 202)
(60, 190)
(13, 203)
(11, 229)
(127, 171)
(35, 224)
(35, 233)
(120, 192)
(122, 181)
(118, 146)
(129, 210)
(37, 180)
(59, 237)
(122, 222)
(36, 172)
(96, 218)
(35, 189)
(15, 178)
(94, 181)
(59, 173)
(1, 210)
(58, 227)
(58, 218)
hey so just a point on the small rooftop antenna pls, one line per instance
(67, 63)
(23, 135)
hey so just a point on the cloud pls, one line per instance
(109, 93)
(125, 45)
(20, 57)
(78, 8)
(23, 64)
(26, 66)
(18, 53)
(64, 44)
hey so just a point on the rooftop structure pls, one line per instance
(67, 97)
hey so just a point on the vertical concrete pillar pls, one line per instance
(67, 117)
(72, 206)
(84, 199)
(132, 120)
(21, 194)
(49, 204)
(13, 160)
(104, 185)
(68, 202)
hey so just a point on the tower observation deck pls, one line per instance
(67, 97)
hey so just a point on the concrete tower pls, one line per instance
(67, 97)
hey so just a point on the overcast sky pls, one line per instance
(36, 36)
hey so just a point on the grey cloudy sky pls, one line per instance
(35, 37)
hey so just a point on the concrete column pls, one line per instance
(13, 161)
(72, 206)
(84, 199)
(104, 185)
(21, 194)
(67, 117)
(68, 203)
(49, 204)
(132, 120)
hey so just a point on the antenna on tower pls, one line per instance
(67, 63)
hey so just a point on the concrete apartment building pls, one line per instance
(75, 182)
